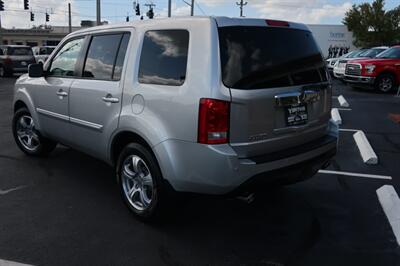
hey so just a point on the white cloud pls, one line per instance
(183, 10)
(309, 11)
(306, 11)
(15, 15)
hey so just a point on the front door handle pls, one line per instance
(62, 93)
(110, 99)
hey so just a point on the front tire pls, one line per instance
(27, 137)
(385, 83)
(141, 184)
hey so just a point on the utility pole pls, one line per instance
(192, 8)
(169, 8)
(98, 13)
(69, 18)
(241, 4)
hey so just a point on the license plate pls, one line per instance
(296, 115)
(23, 63)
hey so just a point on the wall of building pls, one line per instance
(35, 36)
(332, 36)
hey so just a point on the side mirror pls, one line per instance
(35, 70)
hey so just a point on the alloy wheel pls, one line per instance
(386, 84)
(137, 182)
(26, 133)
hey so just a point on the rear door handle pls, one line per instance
(62, 93)
(110, 99)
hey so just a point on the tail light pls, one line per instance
(213, 121)
(7, 61)
(277, 23)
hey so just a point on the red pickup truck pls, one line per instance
(381, 73)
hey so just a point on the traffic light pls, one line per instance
(26, 4)
(150, 13)
(32, 16)
(137, 10)
(47, 17)
(1, 5)
(127, 18)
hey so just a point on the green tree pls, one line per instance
(372, 25)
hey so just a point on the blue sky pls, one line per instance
(306, 11)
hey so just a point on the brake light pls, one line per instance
(7, 61)
(277, 23)
(213, 121)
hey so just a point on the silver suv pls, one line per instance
(209, 105)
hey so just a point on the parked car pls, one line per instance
(330, 62)
(42, 53)
(340, 66)
(381, 73)
(15, 59)
(202, 105)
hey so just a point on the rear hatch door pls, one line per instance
(281, 95)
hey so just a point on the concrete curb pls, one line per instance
(336, 116)
(343, 102)
(390, 203)
(367, 153)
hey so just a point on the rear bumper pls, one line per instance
(12, 69)
(360, 80)
(217, 169)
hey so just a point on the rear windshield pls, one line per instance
(19, 51)
(267, 57)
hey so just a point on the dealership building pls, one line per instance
(326, 35)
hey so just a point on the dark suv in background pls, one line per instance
(15, 59)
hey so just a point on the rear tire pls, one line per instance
(385, 83)
(27, 137)
(141, 184)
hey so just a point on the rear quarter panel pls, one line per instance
(158, 112)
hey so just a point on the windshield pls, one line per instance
(371, 52)
(266, 57)
(46, 50)
(352, 54)
(19, 51)
(390, 53)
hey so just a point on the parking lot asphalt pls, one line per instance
(66, 209)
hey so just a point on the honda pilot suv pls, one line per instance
(203, 105)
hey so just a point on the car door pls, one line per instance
(51, 94)
(95, 98)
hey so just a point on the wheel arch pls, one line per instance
(122, 138)
(23, 99)
(389, 72)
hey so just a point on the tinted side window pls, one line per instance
(164, 57)
(101, 56)
(119, 63)
(63, 64)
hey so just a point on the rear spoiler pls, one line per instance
(228, 22)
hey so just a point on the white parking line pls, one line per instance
(336, 116)
(343, 102)
(344, 109)
(348, 130)
(330, 172)
(12, 263)
(390, 203)
(4, 192)
(367, 153)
